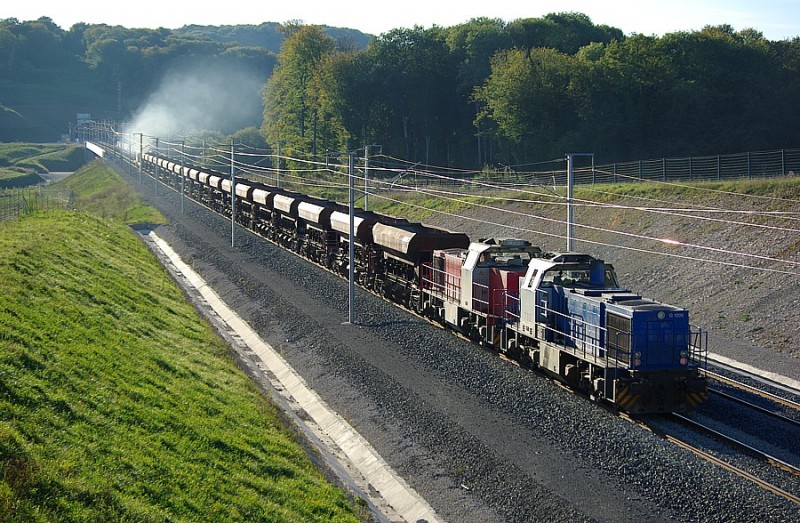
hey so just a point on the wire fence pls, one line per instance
(17, 202)
(750, 165)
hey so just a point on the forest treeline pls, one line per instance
(49, 74)
(485, 92)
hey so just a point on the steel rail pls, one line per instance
(757, 408)
(755, 390)
(717, 461)
(744, 447)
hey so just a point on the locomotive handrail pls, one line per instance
(698, 346)
(599, 351)
(512, 306)
(587, 347)
(480, 299)
(444, 284)
(492, 302)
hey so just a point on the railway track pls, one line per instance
(762, 396)
(788, 396)
(737, 444)
(759, 408)
(708, 456)
(698, 426)
(731, 505)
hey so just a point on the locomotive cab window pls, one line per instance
(581, 275)
(492, 258)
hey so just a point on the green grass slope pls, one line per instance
(42, 158)
(118, 402)
(102, 192)
(16, 177)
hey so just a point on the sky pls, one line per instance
(776, 19)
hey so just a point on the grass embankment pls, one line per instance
(14, 178)
(117, 401)
(20, 163)
(774, 188)
(101, 192)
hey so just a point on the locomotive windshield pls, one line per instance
(491, 258)
(582, 275)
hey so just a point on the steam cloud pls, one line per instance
(193, 98)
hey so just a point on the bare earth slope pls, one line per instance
(751, 315)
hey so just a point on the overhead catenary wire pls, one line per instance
(594, 242)
(427, 173)
(667, 241)
(656, 210)
(675, 212)
(300, 177)
(556, 195)
(616, 206)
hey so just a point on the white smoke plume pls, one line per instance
(194, 98)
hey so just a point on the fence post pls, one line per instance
(640, 170)
(691, 175)
(664, 169)
(718, 167)
(233, 193)
(783, 162)
(749, 167)
(158, 170)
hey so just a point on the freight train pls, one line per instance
(563, 313)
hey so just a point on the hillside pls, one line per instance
(117, 401)
(28, 158)
(267, 35)
(49, 75)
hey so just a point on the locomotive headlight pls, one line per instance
(637, 355)
(637, 362)
(661, 315)
(684, 360)
(684, 353)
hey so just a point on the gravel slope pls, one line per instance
(479, 438)
(750, 315)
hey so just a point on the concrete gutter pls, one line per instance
(354, 459)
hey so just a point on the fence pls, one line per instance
(751, 165)
(762, 164)
(14, 202)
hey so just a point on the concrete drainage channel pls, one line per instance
(344, 450)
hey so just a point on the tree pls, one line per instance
(566, 32)
(529, 96)
(290, 110)
(472, 46)
(417, 77)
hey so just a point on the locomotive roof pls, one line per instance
(501, 253)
